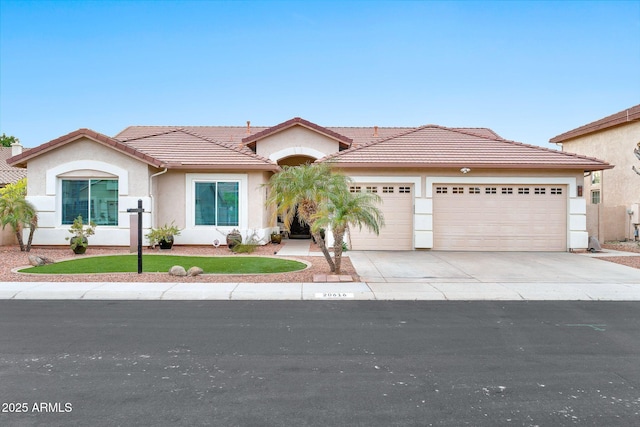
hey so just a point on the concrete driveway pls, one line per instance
(484, 267)
(494, 276)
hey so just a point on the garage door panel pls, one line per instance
(397, 208)
(500, 218)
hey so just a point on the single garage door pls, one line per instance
(500, 217)
(397, 207)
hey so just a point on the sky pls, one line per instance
(527, 70)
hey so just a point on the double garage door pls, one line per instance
(500, 217)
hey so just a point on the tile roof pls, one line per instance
(9, 174)
(169, 147)
(21, 159)
(437, 146)
(185, 149)
(238, 134)
(344, 141)
(619, 118)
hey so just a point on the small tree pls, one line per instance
(323, 201)
(636, 151)
(17, 212)
(344, 209)
(304, 188)
(6, 141)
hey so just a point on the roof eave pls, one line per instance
(435, 165)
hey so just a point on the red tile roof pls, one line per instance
(625, 116)
(436, 146)
(9, 174)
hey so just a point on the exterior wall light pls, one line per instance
(465, 170)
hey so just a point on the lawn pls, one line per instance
(162, 263)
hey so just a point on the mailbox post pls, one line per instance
(139, 211)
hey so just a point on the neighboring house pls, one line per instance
(9, 175)
(442, 188)
(613, 196)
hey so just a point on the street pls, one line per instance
(333, 363)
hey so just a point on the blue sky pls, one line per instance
(528, 70)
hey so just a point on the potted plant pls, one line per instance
(163, 236)
(234, 238)
(81, 232)
(276, 238)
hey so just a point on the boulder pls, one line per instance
(35, 260)
(38, 260)
(195, 271)
(177, 270)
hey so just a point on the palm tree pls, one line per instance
(17, 212)
(305, 188)
(344, 209)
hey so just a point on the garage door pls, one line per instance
(397, 207)
(500, 217)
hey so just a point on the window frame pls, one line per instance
(88, 218)
(243, 198)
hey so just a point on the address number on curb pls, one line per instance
(338, 295)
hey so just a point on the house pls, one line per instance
(9, 175)
(612, 195)
(442, 188)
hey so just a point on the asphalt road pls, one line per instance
(339, 363)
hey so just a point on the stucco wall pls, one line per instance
(172, 193)
(619, 187)
(85, 158)
(297, 140)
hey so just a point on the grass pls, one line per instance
(162, 263)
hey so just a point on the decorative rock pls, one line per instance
(37, 260)
(195, 271)
(177, 270)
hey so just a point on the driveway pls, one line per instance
(426, 275)
(488, 267)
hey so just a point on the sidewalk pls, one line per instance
(387, 276)
(320, 291)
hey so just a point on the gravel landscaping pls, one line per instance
(631, 261)
(12, 258)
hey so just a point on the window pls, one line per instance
(507, 190)
(216, 203)
(404, 190)
(441, 190)
(387, 189)
(355, 189)
(595, 177)
(457, 190)
(94, 199)
(372, 189)
(540, 190)
(556, 191)
(474, 190)
(490, 190)
(595, 197)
